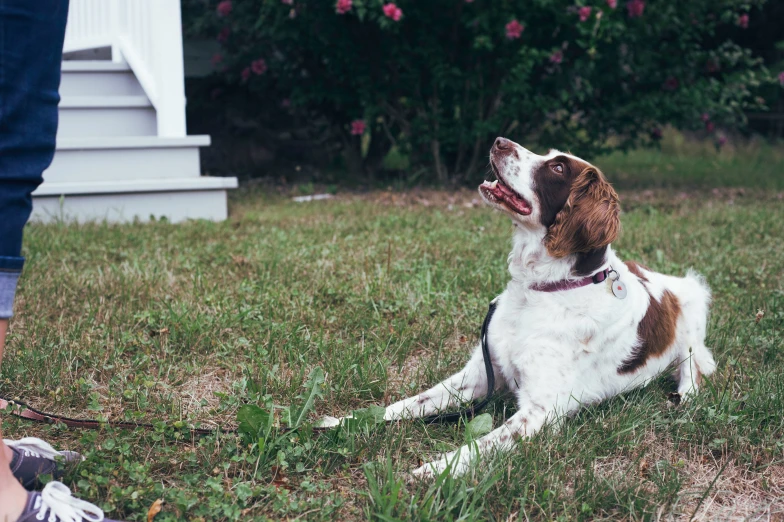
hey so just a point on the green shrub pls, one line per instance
(437, 80)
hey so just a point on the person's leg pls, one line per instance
(3, 331)
(13, 496)
(5, 451)
(31, 43)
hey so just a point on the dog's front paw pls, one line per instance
(327, 422)
(430, 470)
(456, 465)
(330, 422)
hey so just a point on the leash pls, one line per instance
(25, 411)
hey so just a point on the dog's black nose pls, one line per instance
(502, 144)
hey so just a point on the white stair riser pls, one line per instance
(111, 165)
(123, 164)
(100, 83)
(176, 206)
(107, 121)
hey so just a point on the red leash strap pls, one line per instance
(20, 409)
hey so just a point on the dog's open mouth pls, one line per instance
(499, 192)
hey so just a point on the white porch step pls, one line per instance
(134, 186)
(110, 165)
(98, 78)
(122, 158)
(83, 116)
(139, 199)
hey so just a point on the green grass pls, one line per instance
(385, 294)
(684, 163)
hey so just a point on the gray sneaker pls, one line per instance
(56, 504)
(34, 457)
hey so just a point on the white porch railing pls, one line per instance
(147, 35)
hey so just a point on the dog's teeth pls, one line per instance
(493, 184)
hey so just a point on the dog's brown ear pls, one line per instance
(589, 219)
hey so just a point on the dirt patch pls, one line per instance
(465, 197)
(400, 378)
(734, 492)
(199, 400)
(421, 197)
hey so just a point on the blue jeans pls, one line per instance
(31, 47)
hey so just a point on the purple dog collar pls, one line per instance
(557, 286)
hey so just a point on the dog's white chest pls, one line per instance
(546, 338)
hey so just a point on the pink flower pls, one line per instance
(612, 4)
(743, 21)
(224, 8)
(671, 83)
(358, 127)
(556, 57)
(287, 2)
(705, 117)
(585, 13)
(721, 141)
(392, 11)
(217, 58)
(635, 8)
(258, 67)
(781, 77)
(343, 6)
(223, 35)
(514, 30)
(245, 74)
(709, 126)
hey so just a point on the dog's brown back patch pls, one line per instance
(656, 331)
(636, 269)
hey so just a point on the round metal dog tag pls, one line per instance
(618, 289)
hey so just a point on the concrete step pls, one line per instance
(86, 116)
(173, 199)
(98, 78)
(110, 165)
(123, 158)
(134, 186)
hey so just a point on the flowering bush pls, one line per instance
(437, 80)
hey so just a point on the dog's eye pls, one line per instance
(557, 167)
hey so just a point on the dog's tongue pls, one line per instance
(501, 191)
(518, 204)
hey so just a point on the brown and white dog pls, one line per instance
(575, 325)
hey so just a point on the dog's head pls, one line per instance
(565, 196)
